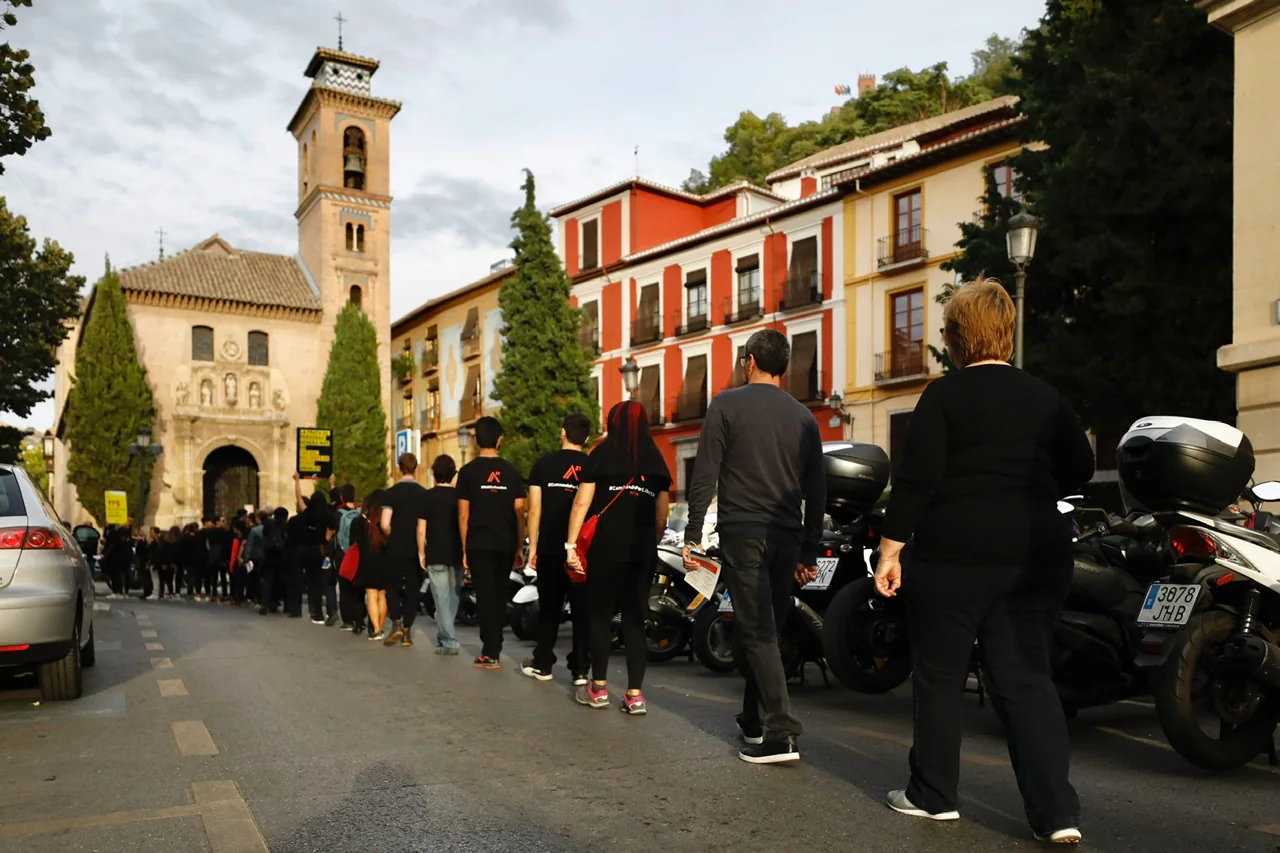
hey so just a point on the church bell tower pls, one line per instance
(344, 203)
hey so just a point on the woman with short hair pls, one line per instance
(989, 453)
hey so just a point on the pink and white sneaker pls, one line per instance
(633, 705)
(592, 696)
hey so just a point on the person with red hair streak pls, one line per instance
(625, 483)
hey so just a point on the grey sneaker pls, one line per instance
(897, 800)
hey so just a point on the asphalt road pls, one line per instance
(234, 733)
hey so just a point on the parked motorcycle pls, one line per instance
(1213, 624)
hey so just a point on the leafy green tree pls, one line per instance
(1129, 294)
(351, 404)
(993, 69)
(33, 461)
(546, 372)
(110, 398)
(38, 296)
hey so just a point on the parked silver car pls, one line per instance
(46, 590)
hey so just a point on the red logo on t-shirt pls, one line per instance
(572, 473)
(494, 477)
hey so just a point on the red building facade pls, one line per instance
(680, 281)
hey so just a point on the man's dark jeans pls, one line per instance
(404, 588)
(320, 591)
(490, 574)
(760, 571)
(554, 588)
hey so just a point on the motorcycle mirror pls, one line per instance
(1065, 508)
(1268, 491)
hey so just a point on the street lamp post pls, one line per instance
(1020, 240)
(143, 448)
(630, 376)
(464, 442)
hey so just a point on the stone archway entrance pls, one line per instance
(230, 481)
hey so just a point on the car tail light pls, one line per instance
(21, 648)
(1191, 542)
(29, 539)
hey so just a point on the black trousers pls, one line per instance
(554, 588)
(611, 586)
(298, 568)
(761, 572)
(193, 574)
(351, 604)
(490, 571)
(237, 584)
(319, 590)
(404, 587)
(166, 581)
(269, 572)
(1011, 612)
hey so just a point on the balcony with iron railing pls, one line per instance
(404, 422)
(471, 345)
(646, 329)
(737, 311)
(696, 323)
(902, 249)
(806, 386)
(428, 421)
(589, 337)
(431, 358)
(685, 409)
(471, 409)
(801, 291)
(904, 363)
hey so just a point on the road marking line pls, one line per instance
(694, 694)
(1146, 741)
(142, 617)
(901, 740)
(40, 827)
(172, 687)
(228, 823)
(102, 607)
(155, 647)
(1268, 828)
(161, 663)
(150, 632)
(193, 738)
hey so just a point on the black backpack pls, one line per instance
(272, 538)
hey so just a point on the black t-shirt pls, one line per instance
(557, 475)
(628, 530)
(444, 542)
(404, 499)
(492, 485)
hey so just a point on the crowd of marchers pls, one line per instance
(988, 444)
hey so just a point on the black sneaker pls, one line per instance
(529, 669)
(752, 733)
(331, 621)
(771, 752)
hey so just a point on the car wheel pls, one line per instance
(89, 654)
(60, 680)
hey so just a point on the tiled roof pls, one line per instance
(865, 145)
(327, 53)
(217, 271)
(417, 313)
(614, 189)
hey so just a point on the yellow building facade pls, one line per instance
(455, 344)
(1254, 352)
(901, 224)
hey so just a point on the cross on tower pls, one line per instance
(341, 20)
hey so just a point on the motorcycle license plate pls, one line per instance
(826, 572)
(1168, 605)
(726, 606)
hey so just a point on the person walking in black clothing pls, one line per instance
(309, 535)
(553, 484)
(491, 507)
(761, 453)
(275, 565)
(440, 550)
(989, 453)
(351, 603)
(625, 486)
(401, 508)
(166, 557)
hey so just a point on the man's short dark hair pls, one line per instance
(408, 463)
(348, 492)
(488, 431)
(577, 428)
(770, 349)
(281, 515)
(443, 469)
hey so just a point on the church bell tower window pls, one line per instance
(353, 158)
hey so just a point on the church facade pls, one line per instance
(236, 342)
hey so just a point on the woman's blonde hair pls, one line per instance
(978, 323)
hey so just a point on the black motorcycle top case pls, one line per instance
(1176, 463)
(856, 477)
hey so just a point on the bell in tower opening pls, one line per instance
(353, 158)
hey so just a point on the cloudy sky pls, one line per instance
(171, 113)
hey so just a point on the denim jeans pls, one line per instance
(446, 586)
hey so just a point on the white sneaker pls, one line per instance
(897, 800)
(1070, 835)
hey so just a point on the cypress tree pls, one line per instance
(546, 372)
(110, 399)
(351, 403)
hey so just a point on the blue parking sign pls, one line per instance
(404, 442)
